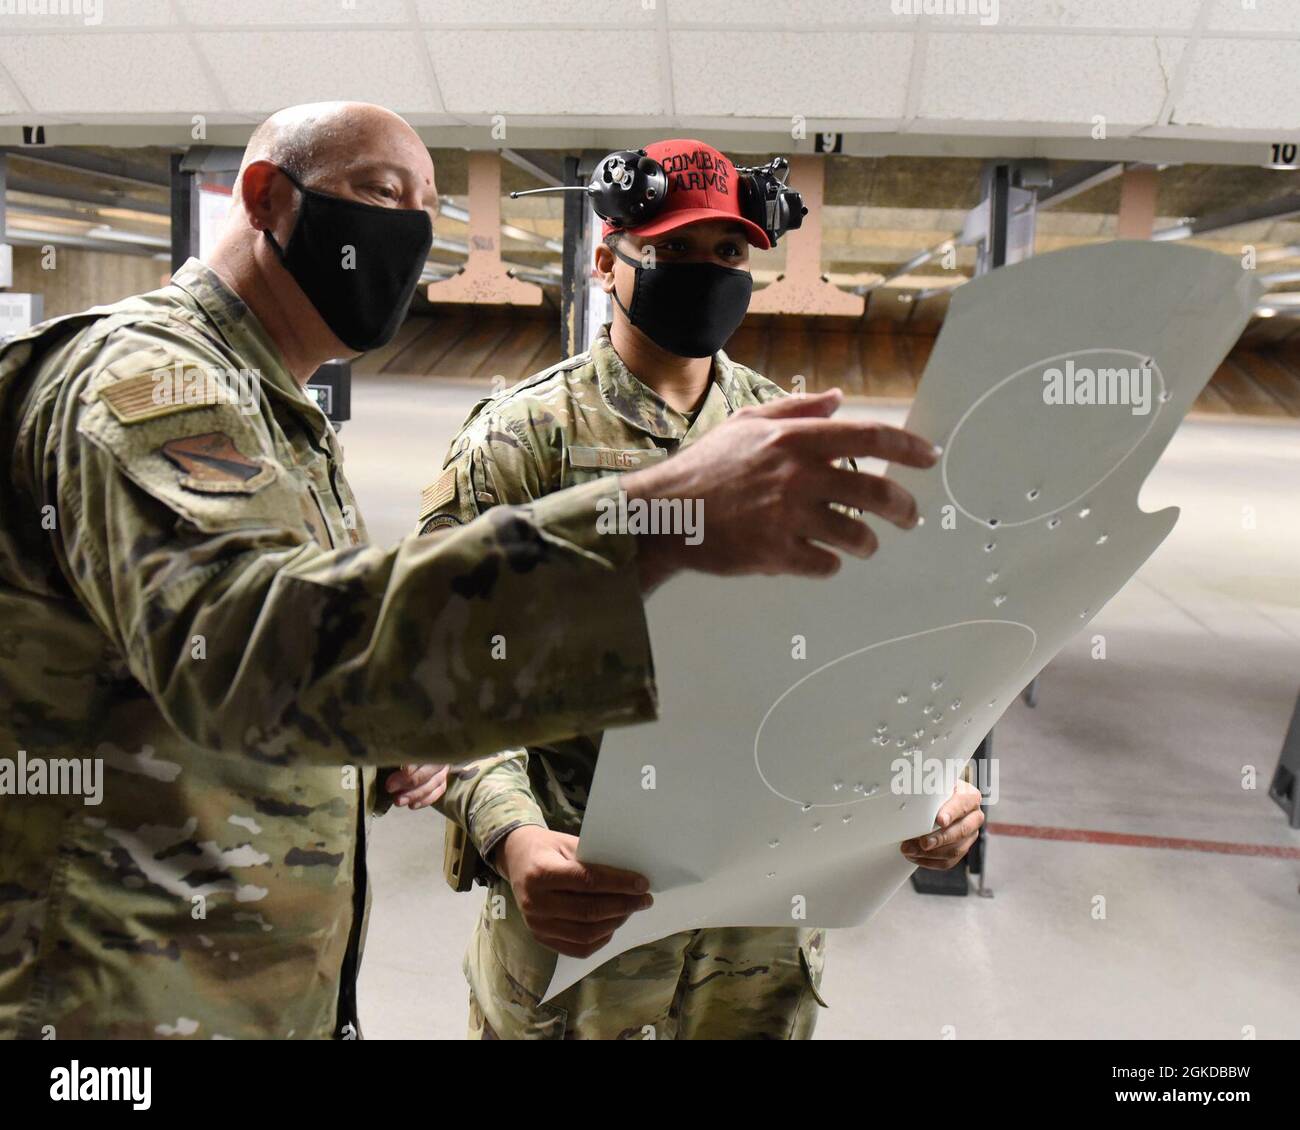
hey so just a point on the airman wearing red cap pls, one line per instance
(655, 379)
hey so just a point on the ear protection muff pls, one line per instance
(628, 188)
(766, 201)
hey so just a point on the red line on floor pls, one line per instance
(1124, 839)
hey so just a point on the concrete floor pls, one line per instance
(1201, 675)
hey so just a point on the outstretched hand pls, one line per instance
(768, 483)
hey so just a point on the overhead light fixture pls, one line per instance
(461, 216)
(1280, 300)
(1279, 278)
(112, 235)
(1274, 254)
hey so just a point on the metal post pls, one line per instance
(576, 263)
(997, 194)
(184, 212)
(1004, 225)
(1285, 788)
(6, 252)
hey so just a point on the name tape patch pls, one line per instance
(613, 458)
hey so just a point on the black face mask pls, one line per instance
(689, 309)
(359, 264)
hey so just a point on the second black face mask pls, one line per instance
(689, 309)
(359, 264)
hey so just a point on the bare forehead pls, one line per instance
(345, 139)
(356, 165)
(386, 147)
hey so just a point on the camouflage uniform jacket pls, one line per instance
(187, 594)
(579, 421)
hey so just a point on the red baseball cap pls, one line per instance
(702, 185)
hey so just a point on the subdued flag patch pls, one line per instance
(438, 493)
(149, 395)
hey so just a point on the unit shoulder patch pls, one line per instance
(441, 522)
(214, 465)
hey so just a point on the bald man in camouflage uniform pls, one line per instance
(188, 599)
(187, 594)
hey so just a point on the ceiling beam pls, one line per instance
(1277, 209)
(862, 137)
(34, 187)
(46, 212)
(911, 265)
(24, 238)
(461, 216)
(546, 167)
(212, 159)
(1077, 180)
(118, 169)
(1280, 278)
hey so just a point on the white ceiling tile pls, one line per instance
(793, 13)
(263, 71)
(1169, 15)
(90, 13)
(1242, 84)
(548, 72)
(1021, 74)
(8, 103)
(538, 11)
(816, 74)
(1263, 17)
(1043, 78)
(300, 13)
(107, 73)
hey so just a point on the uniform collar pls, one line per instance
(641, 407)
(732, 385)
(248, 340)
